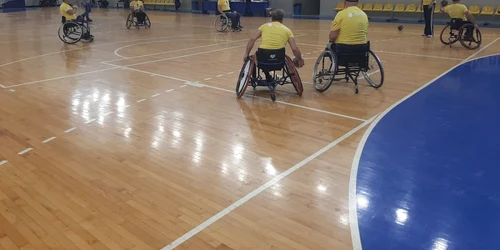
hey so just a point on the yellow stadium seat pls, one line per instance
(474, 9)
(497, 13)
(368, 7)
(360, 5)
(171, 2)
(378, 7)
(340, 6)
(399, 8)
(389, 7)
(487, 11)
(411, 8)
(419, 8)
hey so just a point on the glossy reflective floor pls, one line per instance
(137, 141)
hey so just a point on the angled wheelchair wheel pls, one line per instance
(147, 22)
(70, 32)
(447, 36)
(245, 76)
(130, 21)
(374, 75)
(325, 69)
(470, 41)
(221, 23)
(293, 73)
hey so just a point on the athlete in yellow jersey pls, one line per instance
(68, 12)
(350, 26)
(275, 36)
(137, 7)
(456, 10)
(225, 10)
(428, 7)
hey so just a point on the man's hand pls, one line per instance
(476, 26)
(301, 62)
(245, 57)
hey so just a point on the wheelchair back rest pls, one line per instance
(456, 23)
(353, 56)
(271, 59)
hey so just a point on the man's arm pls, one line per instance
(333, 35)
(219, 8)
(251, 43)
(471, 19)
(296, 51)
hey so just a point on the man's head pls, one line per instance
(456, 1)
(349, 3)
(66, 1)
(277, 15)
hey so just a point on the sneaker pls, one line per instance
(424, 35)
(429, 36)
(236, 30)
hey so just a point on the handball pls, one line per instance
(400, 27)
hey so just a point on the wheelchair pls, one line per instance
(467, 35)
(73, 31)
(222, 23)
(272, 62)
(132, 21)
(347, 62)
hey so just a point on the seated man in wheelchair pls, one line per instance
(460, 15)
(137, 8)
(225, 10)
(68, 14)
(275, 36)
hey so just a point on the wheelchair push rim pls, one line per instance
(473, 42)
(221, 25)
(374, 75)
(147, 22)
(324, 71)
(130, 21)
(451, 39)
(71, 34)
(245, 76)
(293, 73)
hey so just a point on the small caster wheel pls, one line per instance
(273, 97)
(347, 79)
(356, 91)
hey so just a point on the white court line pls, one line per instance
(1, 86)
(166, 52)
(353, 210)
(71, 129)
(62, 77)
(25, 151)
(90, 121)
(170, 90)
(479, 51)
(3, 162)
(230, 73)
(48, 140)
(141, 100)
(207, 79)
(219, 75)
(183, 86)
(155, 95)
(262, 188)
(126, 106)
(109, 113)
(232, 91)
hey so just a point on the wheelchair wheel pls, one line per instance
(245, 76)
(374, 75)
(447, 36)
(147, 22)
(221, 24)
(325, 69)
(294, 76)
(70, 32)
(130, 20)
(470, 41)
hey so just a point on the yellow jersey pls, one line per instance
(224, 5)
(64, 9)
(136, 5)
(456, 10)
(275, 35)
(352, 24)
(428, 2)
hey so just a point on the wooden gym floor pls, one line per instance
(137, 141)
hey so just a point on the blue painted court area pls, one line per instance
(429, 174)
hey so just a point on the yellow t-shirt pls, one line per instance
(132, 5)
(63, 9)
(428, 2)
(456, 10)
(275, 35)
(352, 24)
(225, 4)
